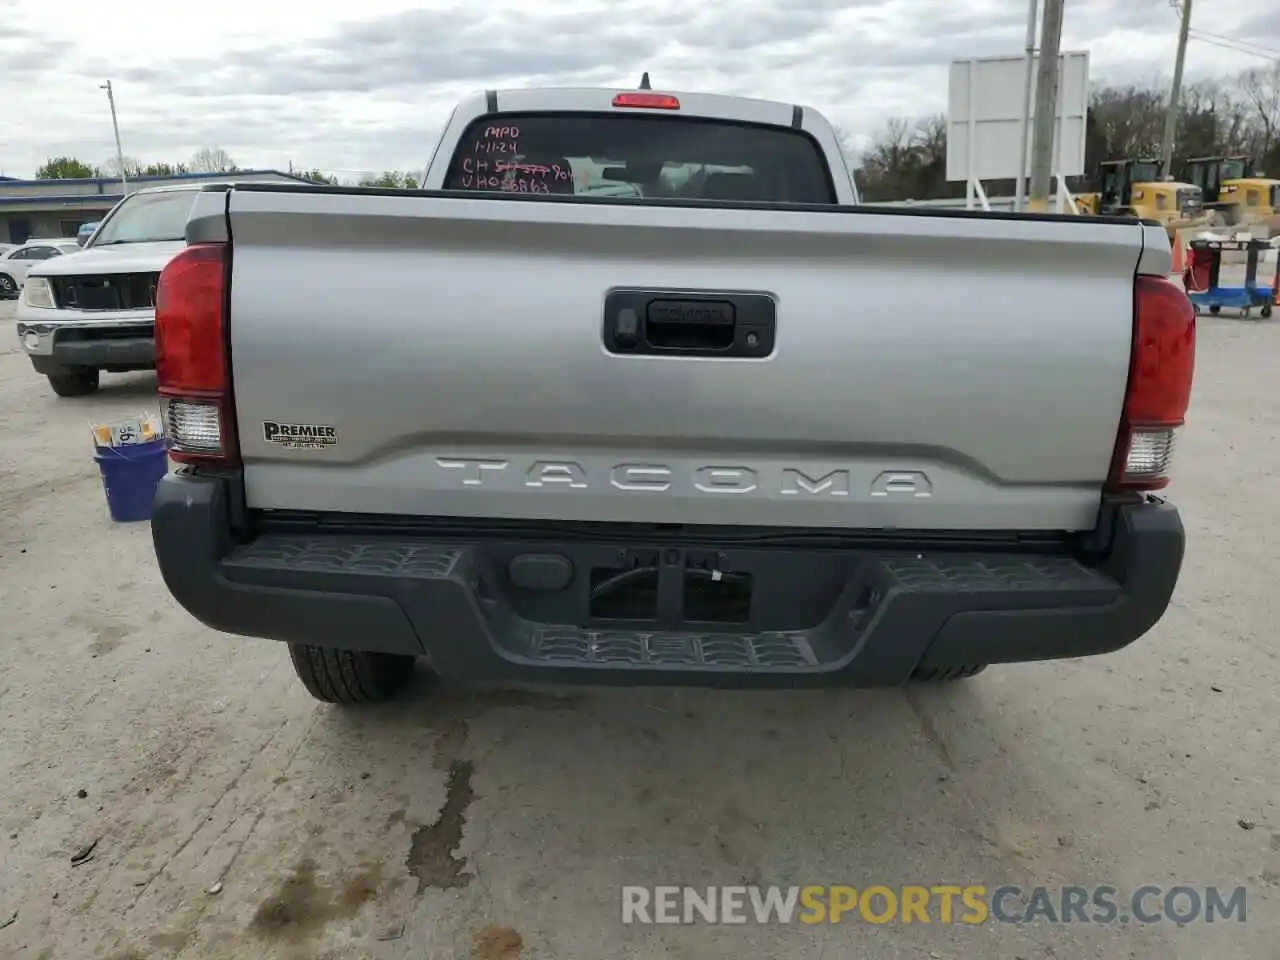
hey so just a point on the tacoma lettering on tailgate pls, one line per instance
(657, 477)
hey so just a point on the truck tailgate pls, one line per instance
(927, 373)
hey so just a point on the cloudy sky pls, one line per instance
(365, 86)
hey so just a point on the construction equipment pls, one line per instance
(1136, 188)
(1236, 193)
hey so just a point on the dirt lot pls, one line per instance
(497, 826)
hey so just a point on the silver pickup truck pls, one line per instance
(731, 428)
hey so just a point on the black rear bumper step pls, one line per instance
(860, 617)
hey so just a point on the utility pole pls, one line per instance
(115, 126)
(1171, 118)
(1046, 115)
(1020, 189)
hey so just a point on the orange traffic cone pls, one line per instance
(1179, 257)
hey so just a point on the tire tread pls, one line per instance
(74, 383)
(349, 676)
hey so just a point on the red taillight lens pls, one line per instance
(647, 101)
(1161, 370)
(192, 362)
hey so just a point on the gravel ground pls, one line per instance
(492, 826)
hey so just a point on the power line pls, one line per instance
(1229, 43)
(1239, 46)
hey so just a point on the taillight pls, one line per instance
(1161, 368)
(193, 367)
(647, 101)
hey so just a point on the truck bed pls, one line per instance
(927, 372)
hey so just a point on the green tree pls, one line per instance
(64, 168)
(317, 176)
(393, 179)
(162, 169)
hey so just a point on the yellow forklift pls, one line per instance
(1236, 194)
(1136, 188)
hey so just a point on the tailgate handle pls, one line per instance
(647, 322)
(697, 325)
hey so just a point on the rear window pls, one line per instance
(594, 155)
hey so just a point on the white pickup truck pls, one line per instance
(730, 428)
(94, 309)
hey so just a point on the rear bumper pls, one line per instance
(820, 615)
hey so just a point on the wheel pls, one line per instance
(8, 287)
(947, 674)
(74, 383)
(1215, 309)
(350, 676)
(1265, 312)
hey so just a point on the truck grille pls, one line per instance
(114, 291)
(100, 334)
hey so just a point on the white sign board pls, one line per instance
(985, 118)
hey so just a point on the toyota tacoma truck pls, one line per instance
(634, 391)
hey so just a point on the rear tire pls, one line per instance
(74, 383)
(947, 674)
(350, 676)
(8, 287)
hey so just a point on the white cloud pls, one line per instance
(365, 87)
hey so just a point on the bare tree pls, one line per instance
(931, 142)
(1128, 120)
(212, 160)
(1261, 88)
(891, 147)
(907, 158)
(908, 161)
(111, 166)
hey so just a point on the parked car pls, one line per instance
(736, 430)
(95, 309)
(86, 231)
(17, 262)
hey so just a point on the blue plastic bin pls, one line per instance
(129, 477)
